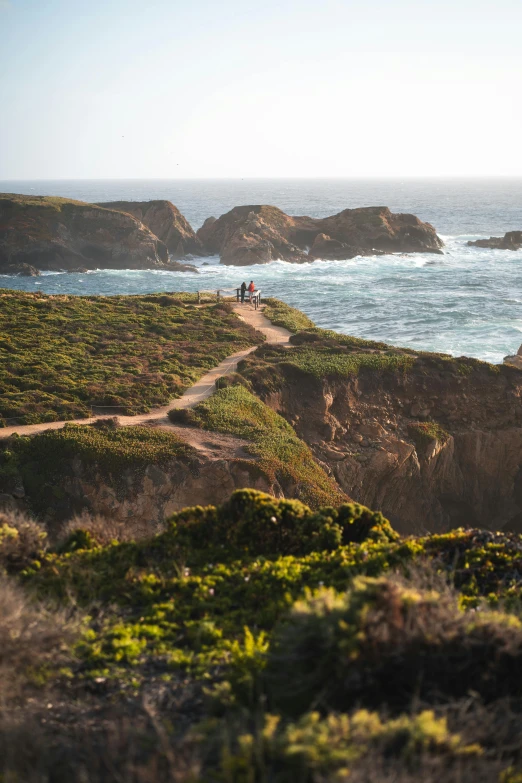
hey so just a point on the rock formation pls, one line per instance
(166, 222)
(512, 240)
(46, 233)
(516, 360)
(260, 234)
(434, 447)
(146, 494)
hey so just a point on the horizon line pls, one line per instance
(265, 179)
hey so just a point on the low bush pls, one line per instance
(259, 524)
(33, 639)
(383, 642)
(340, 747)
(233, 379)
(423, 433)
(22, 541)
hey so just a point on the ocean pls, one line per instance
(466, 302)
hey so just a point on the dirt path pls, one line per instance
(200, 391)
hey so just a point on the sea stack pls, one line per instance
(259, 234)
(512, 240)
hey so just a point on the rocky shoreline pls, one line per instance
(44, 233)
(41, 233)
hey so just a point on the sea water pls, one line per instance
(465, 302)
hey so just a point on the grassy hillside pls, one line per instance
(59, 355)
(56, 203)
(282, 455)
(274, 643)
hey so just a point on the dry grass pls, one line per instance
(33, 639)
(22, 540)
(104, 530)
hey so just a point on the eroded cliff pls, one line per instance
(56, 234)
(434, 442)
(132, 475)
(166, 222)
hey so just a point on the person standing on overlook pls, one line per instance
(251, 289)
(243, 292)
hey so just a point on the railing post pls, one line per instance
(199, 298)
(237, 293)
(218, 294)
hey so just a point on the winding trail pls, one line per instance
(192, 396)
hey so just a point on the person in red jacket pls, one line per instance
(251, 289)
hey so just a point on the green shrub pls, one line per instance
(383, 642)
(233, 379)
(336, 748)
(423, 433)
(261, 525)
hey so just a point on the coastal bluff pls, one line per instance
(260, 234)
(166, 222)
(44, 233)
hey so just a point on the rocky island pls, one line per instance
(512, 240)
(260, 234)
(44, 233)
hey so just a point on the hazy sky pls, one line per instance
(275, 88)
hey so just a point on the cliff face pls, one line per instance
(144, 493)
(166, 222)
(45, 233)
(436, 446)
(260, 234)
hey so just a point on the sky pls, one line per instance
(271, 88)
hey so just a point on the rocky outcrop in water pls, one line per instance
(260, 234)
(55, 234)
(512, 240)
(433, 447)
(166, 222)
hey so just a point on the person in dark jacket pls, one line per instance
(243, 292)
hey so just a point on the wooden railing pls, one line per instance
(253, 298)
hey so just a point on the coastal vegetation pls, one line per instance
(61, 356)
(282, 455)
(261, 639)
(294, 644)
